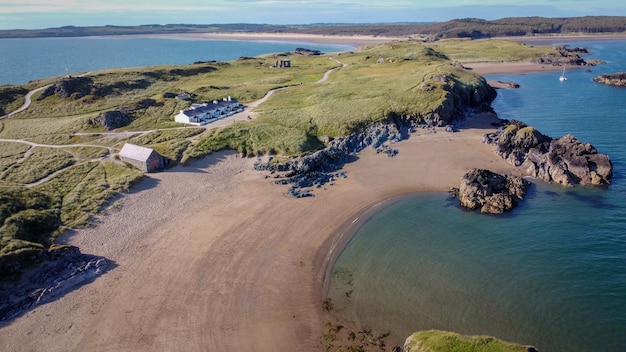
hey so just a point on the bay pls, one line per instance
(23, 60)
(551, 274)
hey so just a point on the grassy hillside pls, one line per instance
(54, 155)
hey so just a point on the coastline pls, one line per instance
(262, 262)
(215, 255)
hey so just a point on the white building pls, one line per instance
(201, 114)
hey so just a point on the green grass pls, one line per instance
(441, 341)
(492, 50)
(39, 164)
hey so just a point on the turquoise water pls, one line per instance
(23, 60)
(551, 274)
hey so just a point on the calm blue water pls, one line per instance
(27, 59)
(551, 274)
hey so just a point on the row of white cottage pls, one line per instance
(201, 114)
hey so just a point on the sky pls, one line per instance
(38, 14)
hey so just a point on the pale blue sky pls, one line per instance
(34, 14)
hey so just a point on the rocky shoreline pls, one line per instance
(565, 161)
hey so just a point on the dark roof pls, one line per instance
(210, 107)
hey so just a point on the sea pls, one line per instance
(23, 60)
(551, 273)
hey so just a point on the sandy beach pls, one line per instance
(215, 257)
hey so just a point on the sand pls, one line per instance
(215, 257)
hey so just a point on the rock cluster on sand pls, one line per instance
(614, 79)
(319, 168)
(490, 192)
(564, 160)
(51, 273)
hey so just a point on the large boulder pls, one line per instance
(565, 160)
(490, 192)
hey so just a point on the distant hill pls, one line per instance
(458, 28)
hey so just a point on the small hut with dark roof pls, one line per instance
(145, 159)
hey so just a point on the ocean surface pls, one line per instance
(550, 274)
(23, 60)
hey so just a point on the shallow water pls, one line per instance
(551, 274)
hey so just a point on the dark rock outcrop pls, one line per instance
(565, 160)
(72, 87)
(567, 56)
(121, 117)
(307, 52)
(614, 79)
(319, 168)
(111, 119)
(35, 277)
(490, 192)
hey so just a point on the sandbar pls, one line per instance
(350, 40)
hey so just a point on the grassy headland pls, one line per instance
(52, 153)
(441, 341)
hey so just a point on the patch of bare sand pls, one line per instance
(215, 257)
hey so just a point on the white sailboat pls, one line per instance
(563, 78)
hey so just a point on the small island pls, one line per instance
(614, 79)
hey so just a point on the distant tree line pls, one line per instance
(458, 28)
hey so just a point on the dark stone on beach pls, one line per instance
(565, 160)
(32, 278)
(614, 79)
(490, 192)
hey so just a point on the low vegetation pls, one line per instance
(71, 169)
(442, 341)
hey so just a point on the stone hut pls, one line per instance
(145, 159)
